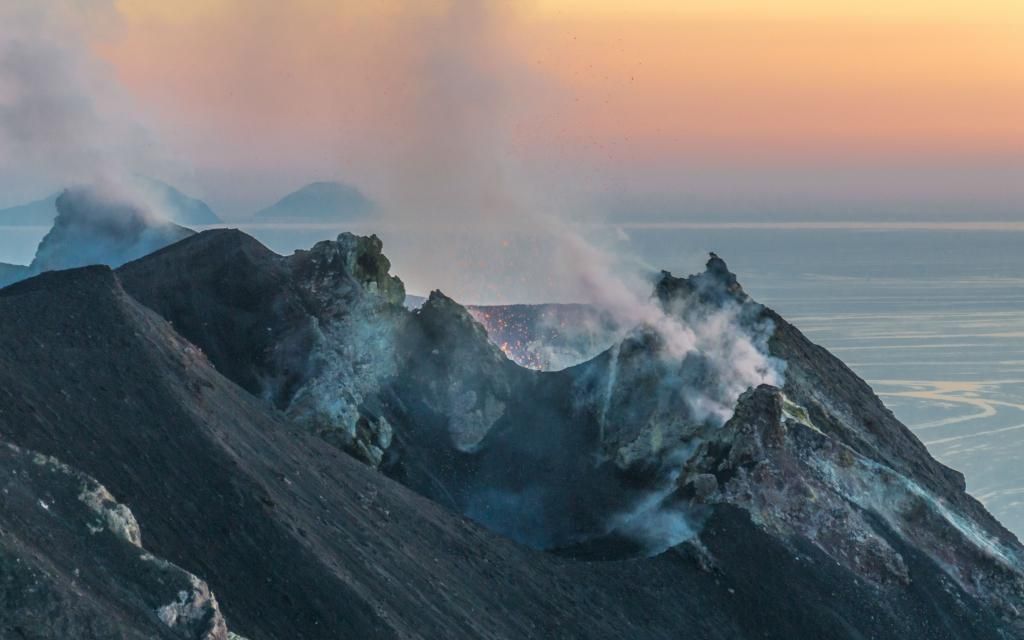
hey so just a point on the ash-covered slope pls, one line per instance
(300, 541)
(623, 456)
(297, 539)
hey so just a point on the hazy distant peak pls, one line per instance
(173, 204)
(319, 202)
(98, 225)
(36, 213)
(159, 197)
(12, 273)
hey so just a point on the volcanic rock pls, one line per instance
(653, 446)
(301, 541)
(309, 333)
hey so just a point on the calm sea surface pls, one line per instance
(933, 320)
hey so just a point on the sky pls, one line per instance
(454, 110)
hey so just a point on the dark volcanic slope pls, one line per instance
(831, 391)
(243, 308)
(608, 459)
(298, 540)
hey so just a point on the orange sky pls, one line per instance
(934, 77)
(629, 94)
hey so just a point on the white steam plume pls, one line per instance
(735, 349)
(64, 119)
(455, 168)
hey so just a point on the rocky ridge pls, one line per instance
(310, 333)
(301, 541)
(629, 453)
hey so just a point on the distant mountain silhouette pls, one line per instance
(12, 273)
(94, 227)
(159, 197)
(175, 205)
(32, 214)
(319, 202)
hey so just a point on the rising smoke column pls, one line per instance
(705, 349)
(64, 118)
(102, 224)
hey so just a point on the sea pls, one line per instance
(931, 316)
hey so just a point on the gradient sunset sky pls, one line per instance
(732, 109)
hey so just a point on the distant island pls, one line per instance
(157, 196)
(38, 213)
(319, 202)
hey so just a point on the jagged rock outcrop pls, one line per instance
(310, 333)
(621, 456)
(443, 337)
(848, 486)
(796, 481)
(357, 306)
(72, 563)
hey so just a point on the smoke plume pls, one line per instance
(63, 117)
(457, 171)
(102, 224)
